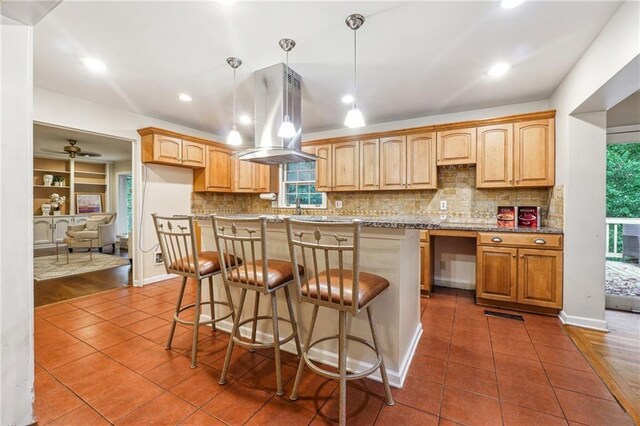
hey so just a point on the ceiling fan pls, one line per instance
(74, 150)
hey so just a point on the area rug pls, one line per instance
(46, 267)
(623, 279)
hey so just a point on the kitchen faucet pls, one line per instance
(298, 209)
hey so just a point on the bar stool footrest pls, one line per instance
(250, 345)
(332, 375)
(187, 322)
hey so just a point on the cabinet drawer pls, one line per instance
(542, 241)
(424, 236)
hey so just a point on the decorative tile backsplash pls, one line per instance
(456, 185)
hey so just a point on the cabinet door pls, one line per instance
(456, 147)
(166, 149)
(193, 154)
(393, 162)
(243, 180)
(425, 263)
(79, 220)
(540, 277)
(218, 171)
(422, 172)
(60, 226)
(323, 169)
(496, 273)
(369, 165)
(346, 166)
(495, 157)
(534, 153)
(42, 230)
(261, 178)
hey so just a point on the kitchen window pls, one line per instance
(299, 181)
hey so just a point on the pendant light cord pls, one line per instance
(355, 74)
(286, 90)
(234, 98)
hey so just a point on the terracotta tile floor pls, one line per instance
(101, 360)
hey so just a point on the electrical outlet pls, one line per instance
(443, 216)
(159, 258)
(338, 204)
(443, 205)
(443, 265)
(274, 204)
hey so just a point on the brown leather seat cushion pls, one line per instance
(369, 286)
(208, 263)
(278, 273)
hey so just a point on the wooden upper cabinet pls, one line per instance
(369, 165)
(217, 176)
(456, 147)
(243, 175)
(540, 278)
(323, 169)
(495, 156)
(497, 273)
(167, 150)
(262, 178)
(534, 153)
(193, 154)
(346, 166)
(393, 162)
(422, 172)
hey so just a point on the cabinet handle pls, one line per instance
(50, 226)
(539, 241)
(496, 239)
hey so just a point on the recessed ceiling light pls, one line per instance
(244, 119)
(499, 69)
(510, 4)
(347, 99)
(94, 64)
(184, 97)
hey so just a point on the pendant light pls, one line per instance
(234, 137)
(354, 117)
(287, 130)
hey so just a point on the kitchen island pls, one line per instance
(390, 247)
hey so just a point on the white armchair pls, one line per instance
(99, 231)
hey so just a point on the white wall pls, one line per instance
(16, 247)
(67, 111)
(459, 255)
(581, 163)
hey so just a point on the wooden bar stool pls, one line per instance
(176, 235)
(248, 238)
(345, 290)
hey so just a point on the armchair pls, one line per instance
(99, 231)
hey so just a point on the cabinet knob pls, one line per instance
(521, 256)
(513, 255)
(496, 239)
(539, 241)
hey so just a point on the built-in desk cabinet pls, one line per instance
(426, 261)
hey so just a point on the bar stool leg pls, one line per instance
(196, 325)
(296, 383)
(179, 304)
(342, 366)
(234, 331)
(212, 306)
(383, 370)
(276, 343)
(256, 309)
(294, 325)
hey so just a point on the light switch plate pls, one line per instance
(338, 204)
(443, 205)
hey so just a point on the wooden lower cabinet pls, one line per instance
(496, 273)
(426, 272)
(540, 277)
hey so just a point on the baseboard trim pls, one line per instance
(396, 377)
(437, 281)
(157, 278)
(583, 322)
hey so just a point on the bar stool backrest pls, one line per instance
(320, 248)
(241, 238)
(176, 236)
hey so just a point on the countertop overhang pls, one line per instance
(397, 222)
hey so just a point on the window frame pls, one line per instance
(282, 194)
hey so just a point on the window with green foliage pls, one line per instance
(299, 181)
(623, 180)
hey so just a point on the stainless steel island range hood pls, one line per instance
(270, 91)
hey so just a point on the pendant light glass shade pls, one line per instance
(234, 137)
(354, 118)
(287, 130)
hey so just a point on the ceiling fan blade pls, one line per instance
(53, 151)
(88, 154)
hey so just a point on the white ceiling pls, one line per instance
(626, 113)
(47, 139)
(414, 58)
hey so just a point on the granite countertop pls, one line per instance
(406, 222)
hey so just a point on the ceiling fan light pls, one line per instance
(287, 130)
(354, 118)
(234, 137)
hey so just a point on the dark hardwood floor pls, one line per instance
(64, 288)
